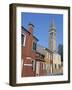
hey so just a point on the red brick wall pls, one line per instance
(27, 52)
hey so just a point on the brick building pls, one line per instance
(36, 59)
(32, 61)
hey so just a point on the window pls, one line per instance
(55, 66)
(33, 65)
(34, 46)
(42, 56)
(51, 34)
(59, 65)
(23, 37)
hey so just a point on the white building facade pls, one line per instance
(53, 62)
(52, 59)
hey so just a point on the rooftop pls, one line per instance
(23, 28)
(41, 49)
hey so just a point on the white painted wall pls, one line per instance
(4, 45)
(37, 68)
(56, 58)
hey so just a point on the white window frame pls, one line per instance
(24, 39)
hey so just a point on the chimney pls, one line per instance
(30, 27)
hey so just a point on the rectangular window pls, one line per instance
(33, 65)
(23, 37)
(34, 46)
(59, 65)
(42, 56)
(55, 66)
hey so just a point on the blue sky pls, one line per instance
(42, 24)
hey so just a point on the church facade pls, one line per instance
(36, 59)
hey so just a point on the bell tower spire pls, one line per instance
(52, 37)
